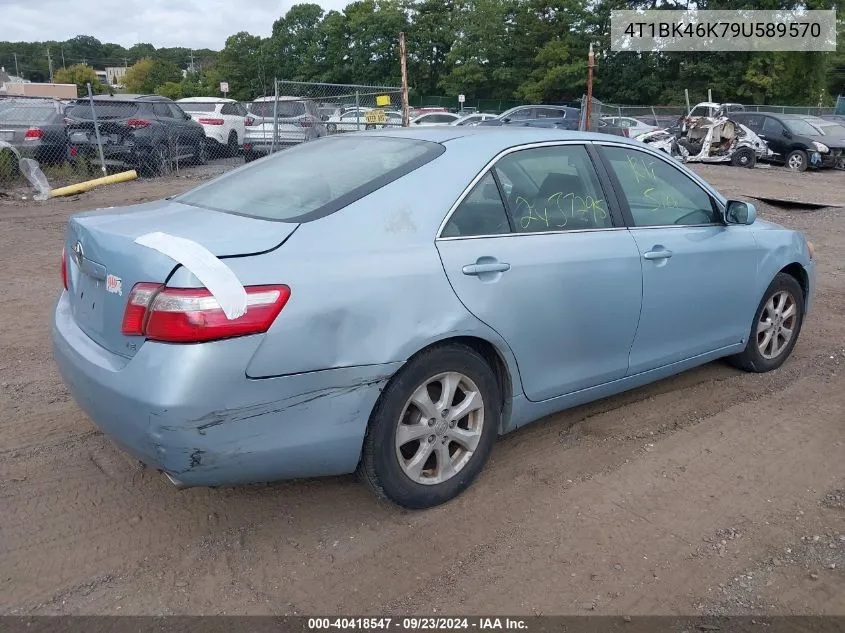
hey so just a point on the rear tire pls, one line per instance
(232, 144)
(744, 157)
(249, 156)
(422, 456)
(158, 162)
(773, 320)
(201, 153)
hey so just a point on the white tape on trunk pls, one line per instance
(213, 273)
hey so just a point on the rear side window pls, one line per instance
(109, 110)
(772, 126)
(482, 212)
(161, 110)
(553, 189)
(295, 185)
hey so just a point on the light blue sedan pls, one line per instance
(390, 302)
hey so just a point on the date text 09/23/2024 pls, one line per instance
(416, 624)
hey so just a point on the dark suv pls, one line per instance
(798, 141)
(144, 132)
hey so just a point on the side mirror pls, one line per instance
(786, 133)
(740, 212)
(187, 117)
(506, 120)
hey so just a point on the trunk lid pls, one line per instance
(104, 262)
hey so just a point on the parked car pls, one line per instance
(473, 119)
(634, 127)
(349, 120)
(35, 128)
(573, 124)
(297, 121)
(222, 120)
(434, 118)
(144, 132)
(794, 140)
(358, 318)
(531, 112)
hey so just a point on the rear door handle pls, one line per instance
(661, 254)
(480, 269)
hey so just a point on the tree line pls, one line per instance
(533, 50)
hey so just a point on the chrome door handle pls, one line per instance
(661, 254)
(480, 269)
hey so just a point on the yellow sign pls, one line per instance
(383, 100)
(375, 116)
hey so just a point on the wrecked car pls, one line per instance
(710, 140)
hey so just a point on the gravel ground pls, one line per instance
(714, 492)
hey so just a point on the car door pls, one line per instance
(189, 132)
(533, 251)
(171, 130)
(699, 290)
(774, 133)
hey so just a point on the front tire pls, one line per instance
(201, 153)
(433, 428)
(232, 144)
(797, 160)
(776, 326)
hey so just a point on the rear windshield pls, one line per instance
(110, 110)
(21, 114)
(264, 109)
(295, 185)
(197, 106)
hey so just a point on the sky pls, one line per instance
(162, 23)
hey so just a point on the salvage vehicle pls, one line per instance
(284, 320)
(795, 141)
(705, 140)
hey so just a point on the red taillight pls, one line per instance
(137, 123)
(248, 121)
(306, 121)
(192, 315)
(34, 133)
(74, 151)
(64, 267)
(247, 146)
(211, 121)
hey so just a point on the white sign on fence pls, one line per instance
(224, 86)
(461, 98)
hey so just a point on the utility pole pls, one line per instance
(192, 61)
(63, 56)
(125, 63)
(404, 70)
(591, 60)
(50, 65)
(17, 71)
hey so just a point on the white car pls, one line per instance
(634, 126)
(350, 121)
(272, 126)
(473, 119)
(222, 120)
(435, 118)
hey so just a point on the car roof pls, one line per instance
(127, 97)
(505, 136)
(206, 100)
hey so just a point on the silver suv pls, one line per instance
(297, 120)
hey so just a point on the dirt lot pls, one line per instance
(713, 492)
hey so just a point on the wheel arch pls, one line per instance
(497, 361)
(799, 273)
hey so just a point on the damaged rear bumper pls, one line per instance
(190, 410)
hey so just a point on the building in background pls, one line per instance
(115, 75)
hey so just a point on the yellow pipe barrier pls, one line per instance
(82, 187)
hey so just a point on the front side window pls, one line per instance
(553, 189)
(657, 193)
(295, 186)
(482, 212)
